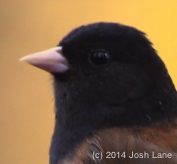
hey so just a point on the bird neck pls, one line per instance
(76, 109)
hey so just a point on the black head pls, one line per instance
(115, 78)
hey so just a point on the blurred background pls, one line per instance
(26, 98)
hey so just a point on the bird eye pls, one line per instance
(98, 57)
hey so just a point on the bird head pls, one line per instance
(107, 74)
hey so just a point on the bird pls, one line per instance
(115, 100)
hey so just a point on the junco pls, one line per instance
(115, 101)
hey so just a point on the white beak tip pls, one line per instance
(22, 59)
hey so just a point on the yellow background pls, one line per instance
(26, 26)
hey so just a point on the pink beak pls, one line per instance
(50, 60)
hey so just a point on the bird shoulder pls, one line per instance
(152, 144)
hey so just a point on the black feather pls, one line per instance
(132, 89)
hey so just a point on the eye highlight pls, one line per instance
(99, 57)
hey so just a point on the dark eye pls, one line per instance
(98, 57)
